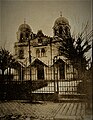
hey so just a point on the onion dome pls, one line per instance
(61, 21)
(24, 27)
(61, 27)
(24, 31)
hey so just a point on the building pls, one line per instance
(41, 53)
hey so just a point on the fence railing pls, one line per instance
(60, 86)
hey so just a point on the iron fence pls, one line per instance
(64, 87)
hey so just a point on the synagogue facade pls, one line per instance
(40, 55)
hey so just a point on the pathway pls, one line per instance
(18, 110)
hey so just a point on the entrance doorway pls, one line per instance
(61, 65)
(62, 71)
(40, 72)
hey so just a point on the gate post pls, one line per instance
(54, 77)
(55, 83)
(30, 68)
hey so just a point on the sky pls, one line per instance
(41, 15)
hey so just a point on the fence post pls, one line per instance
(55, 93)
(57, 85)
(30, 68)
(54, 79)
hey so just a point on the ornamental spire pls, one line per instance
(60, 13)
(24, 20)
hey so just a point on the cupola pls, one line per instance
(61, 27)
(24, 31)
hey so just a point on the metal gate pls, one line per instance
(63, 90)
(72, 89)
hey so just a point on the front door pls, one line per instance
(40, 72)
(62, 71)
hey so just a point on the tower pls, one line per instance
(24, 31)
(23, 34)
(61, 27)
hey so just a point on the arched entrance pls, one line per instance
(39, 68)
(40, 72)
(61, 71)
(61, 66)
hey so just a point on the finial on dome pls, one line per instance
(60, 13)
(24, 20)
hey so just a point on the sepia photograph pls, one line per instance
(46, 59)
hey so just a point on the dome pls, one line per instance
(24, 27)
(61, 21)
(61, 27)
(24, 31)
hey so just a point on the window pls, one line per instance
(43, 53)
(55, 32)
(27, 35)
(60, 30)
(21, 37)
(39, 40)
(37, 53)
(21, 54)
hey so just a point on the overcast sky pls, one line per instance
(40, 14)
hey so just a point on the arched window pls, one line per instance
(67, 31)
(37, 53)
(60, 30)
(55, 32)
(43, 53)
(27, 35)
(21, 54)
(21, 36)
(39, 40)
